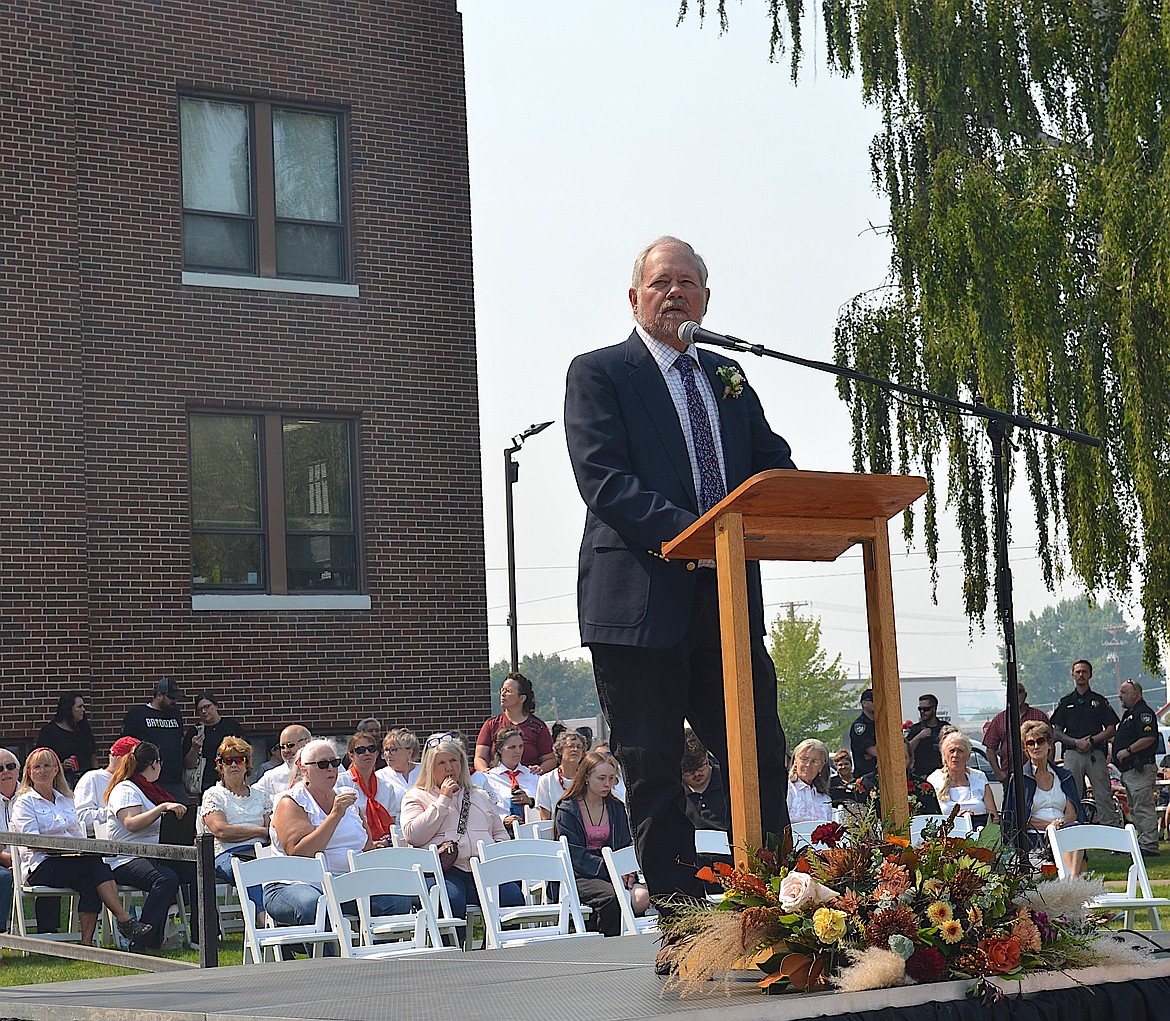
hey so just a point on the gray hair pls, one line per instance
(955, 737)
(811, 744)
(666, 241)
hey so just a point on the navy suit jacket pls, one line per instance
(630, 459)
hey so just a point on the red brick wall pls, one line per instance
(105, 350)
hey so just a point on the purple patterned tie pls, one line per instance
(712, 488)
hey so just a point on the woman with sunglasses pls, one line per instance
(137, 806)
(44, 805)
(317, 815)
(431, 814)
(377, 798)
(235, 814)
(1050, 792)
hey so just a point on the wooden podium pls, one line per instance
(802, 515)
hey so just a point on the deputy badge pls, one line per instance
(859, 729)
(1095, 703)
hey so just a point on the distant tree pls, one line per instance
(812, 697)
(1047, 646)
(566, 684)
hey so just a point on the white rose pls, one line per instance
(798, 891)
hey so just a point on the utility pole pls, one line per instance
(792, 607)
(1115, 645)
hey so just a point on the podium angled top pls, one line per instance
(802, 515)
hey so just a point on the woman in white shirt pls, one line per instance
(136, 805)
(44, 805)
(569, 748)
(957, 784)
(378, 799)
(510, 784)
(808, 783)
(235, 814)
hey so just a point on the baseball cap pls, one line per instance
(168, 686)
(866, 696)
(124, 745)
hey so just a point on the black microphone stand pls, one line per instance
(998, 425)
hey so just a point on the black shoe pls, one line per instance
(134, 930)
(1151, 854)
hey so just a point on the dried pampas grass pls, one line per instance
(1065, 898)
(1115, 951)
(874, 968)
(716, 947)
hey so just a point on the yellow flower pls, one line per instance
(939, 912)
(828, 924)
(951, 931)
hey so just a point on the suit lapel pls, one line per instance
(651, 388)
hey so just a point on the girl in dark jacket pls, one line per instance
(589, 817)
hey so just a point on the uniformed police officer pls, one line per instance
(863, 737)
(1133, 752)
(1084, 723)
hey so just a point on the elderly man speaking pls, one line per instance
(658, 433)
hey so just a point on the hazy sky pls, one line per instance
(597, 126)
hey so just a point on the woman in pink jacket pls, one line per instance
(431, 813)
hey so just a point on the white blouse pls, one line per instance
(968, 797)
(350, 834)
(30, 813)
(807, 804)
(237, 810)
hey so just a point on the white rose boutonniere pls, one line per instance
(733, 380)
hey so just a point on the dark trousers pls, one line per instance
(601, 897)
(645, 695)
(160, 882)
(81, 872)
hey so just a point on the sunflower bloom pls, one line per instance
(951, 931)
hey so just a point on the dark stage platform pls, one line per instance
(582, 980)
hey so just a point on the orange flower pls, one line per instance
(1003, 955)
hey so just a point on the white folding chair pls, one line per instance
(279, 868)
(396, 837)
(538, 829)
(1137, 895)
(623, 863)
(490, 875)
(427, 859)
(960, 826)
(535, 892)
(711, 842)
(361, 885)
(802, 833)
(23, 888)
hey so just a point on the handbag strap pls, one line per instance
(463, 814)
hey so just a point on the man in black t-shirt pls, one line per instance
(922, 738)
(160, 722)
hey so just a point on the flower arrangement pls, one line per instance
(863, 911)
(733, 380)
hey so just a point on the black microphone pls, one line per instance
(693, 333)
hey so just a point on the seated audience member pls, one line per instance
(808, 783)
(89, 797)
(9, 778)
(136, 805)
(319, 816)
(923, 800)
(619, 791)
(958, 784)
(569, 748)
(518, 702)
(234, 813)
(373, 727)
(400, 750)
(377, 799)
(589, 817)
(703, 780)
(292, 739)
(445, 806)
(509, 783)
(842, 784)
(44, 805)
(1050, 793)
(274, 759)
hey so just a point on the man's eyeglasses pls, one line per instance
(288, 746)
(365, 749)
(1036, 742)
(438, 739)
(325, 763)
(8, 767)
(231, 760)
(925, 708)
